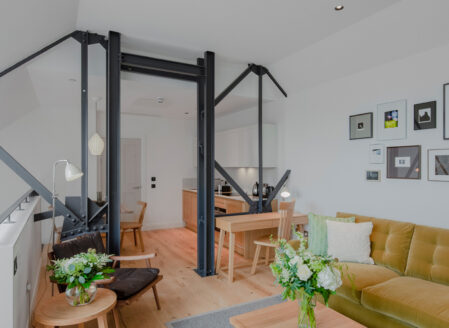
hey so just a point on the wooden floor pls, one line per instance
(182, 292)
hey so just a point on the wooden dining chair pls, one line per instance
(135, 227)
(286, 210)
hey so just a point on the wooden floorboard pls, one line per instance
(182, 292)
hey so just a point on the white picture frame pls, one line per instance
(392, 120)
(438, 165)
(376, 154)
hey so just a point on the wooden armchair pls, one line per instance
(128, 283)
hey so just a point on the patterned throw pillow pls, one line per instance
(318, 232)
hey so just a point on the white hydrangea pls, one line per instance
(304, 272)
(329, 278)
(295, 260)
(285, 275)
(290, 252)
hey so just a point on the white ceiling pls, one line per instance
(260, 31)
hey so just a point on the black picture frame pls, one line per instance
(357, 125)
(445, 112)
(373, 175)
(425, 115)
(404, 162)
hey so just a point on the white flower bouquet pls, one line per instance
(304, 275)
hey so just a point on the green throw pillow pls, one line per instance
(318, 232)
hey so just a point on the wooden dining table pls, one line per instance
(248, 222)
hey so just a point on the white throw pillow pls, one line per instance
(350, 242)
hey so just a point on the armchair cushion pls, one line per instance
(79, 245)
(129, 281)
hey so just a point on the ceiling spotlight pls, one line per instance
(72, 79)
(186, 113)
(339, 7)
(160, 100)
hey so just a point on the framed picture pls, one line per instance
(446, 111)
(404, 162)
(373, 176)
(438, 165)
(361, 126)
(376, 154)
(425, 115)
(392, 120)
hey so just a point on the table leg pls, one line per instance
(231, 257)
(219, 250)
(102, 321)
(116, 317)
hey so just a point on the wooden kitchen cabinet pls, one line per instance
(189, 209)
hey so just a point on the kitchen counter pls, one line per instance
(233, 196)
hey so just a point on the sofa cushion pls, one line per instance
(418, 302)
(130, 281)
(318, 232)
(357, 276)
(429, 255)
(390, 241)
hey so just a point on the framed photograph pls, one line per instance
(373, 176)
(425, 115)
(404, 162)
(446, 111)
(361, 126)
(376, 154)
(392, 120)
(438, 165)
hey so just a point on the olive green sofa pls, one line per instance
(409, 284)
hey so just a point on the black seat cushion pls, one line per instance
(129, 281)
(79, 245)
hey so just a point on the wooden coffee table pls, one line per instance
(57, 312)
(285, 315)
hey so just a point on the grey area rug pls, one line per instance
(220, 318)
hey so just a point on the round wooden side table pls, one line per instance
(57, 312)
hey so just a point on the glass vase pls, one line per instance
(306, 316)
(78, 295)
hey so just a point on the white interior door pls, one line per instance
(131, 180)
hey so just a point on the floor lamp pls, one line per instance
(71, 173)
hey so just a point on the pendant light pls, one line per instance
(96, 143)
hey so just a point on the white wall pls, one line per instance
(328, 168)
(167, 154)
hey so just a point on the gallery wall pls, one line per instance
(328, 169)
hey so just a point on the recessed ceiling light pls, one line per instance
(160, 100)
(72, 79)
(339, 7)
(186, 113)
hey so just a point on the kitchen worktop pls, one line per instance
(234, 196)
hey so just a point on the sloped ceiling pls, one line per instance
(26, 26)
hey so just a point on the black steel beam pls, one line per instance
(234, 184)
(231, 87)
(201, 176)
(113, 142)
(166, 74)
(161, 64)
(209, 153)
(36, 185)
(277, 188)
(276, 83)
(37, 53)
(84, 124)
(260, 137)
